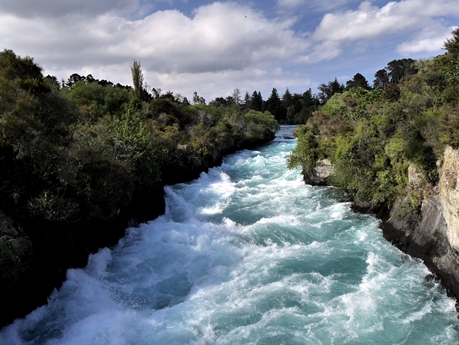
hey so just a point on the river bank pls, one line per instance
(247, 254)
(429, 232)
(47, 269)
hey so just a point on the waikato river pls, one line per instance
(247, 254)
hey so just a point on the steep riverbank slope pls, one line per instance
(432, 232)
(30, 287)
(393, 150)
(80, 162)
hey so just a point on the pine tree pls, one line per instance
(274, 106)
(257, 101)
(358, 80)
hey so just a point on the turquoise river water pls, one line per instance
(247, 254)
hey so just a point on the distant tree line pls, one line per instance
(288, 108)
(373, 136)
(296, 108)
(387, 77)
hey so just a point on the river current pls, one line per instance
(247, 254)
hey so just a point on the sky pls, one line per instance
(213, 47)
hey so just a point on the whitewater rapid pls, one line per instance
(247, 254)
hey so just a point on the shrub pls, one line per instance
(304, 155)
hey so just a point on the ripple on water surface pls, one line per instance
(247, 254)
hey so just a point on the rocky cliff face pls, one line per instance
(425, 238)
(449, 195)
(319, 176)
(432, 236)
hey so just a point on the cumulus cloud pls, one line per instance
(315, 5)
(289, 3)
(218, 46)
(428, 40)
(370, 21)
(218, 37)
(326, 50)
(58, 8)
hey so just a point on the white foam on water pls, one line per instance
(246, 254)
(207, 195)
(281, 220)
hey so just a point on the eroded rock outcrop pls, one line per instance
(426, 238)
(432, 235)
(449, 195)
(320, 173)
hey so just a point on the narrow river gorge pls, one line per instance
(247, 254)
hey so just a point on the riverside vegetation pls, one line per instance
(81, 161)
(372, 136)
(391, 150)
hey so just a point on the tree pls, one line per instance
(74, 78)
(358, 80)
(452, 44)
(397, 69)
(257, 101)
(304, 154)
(274, 106)
(309, 100)
(287, 99)
(94, 100)
(236, 96)
(156, 92)
(219, 102)
(137, 80)
(105, 82)
(328, 90)
(52, 82)
(247, 102)
(90, 79)
(304, 105)
(230, 100)
(146, 96)
(198, 99)
(381, 79)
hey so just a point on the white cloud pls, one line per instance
(290, 3)
(419, 46)
(374, 25)
(313, 5)
(368, 21)
(326, 50)
(212, 85)
(218, 38)
(428, 40)
(219, 46)
(58, 8)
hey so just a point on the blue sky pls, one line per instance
(214, 47)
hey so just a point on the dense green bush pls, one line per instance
(305, 154)
(94, 100)
(371, 137)
(79, 162)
